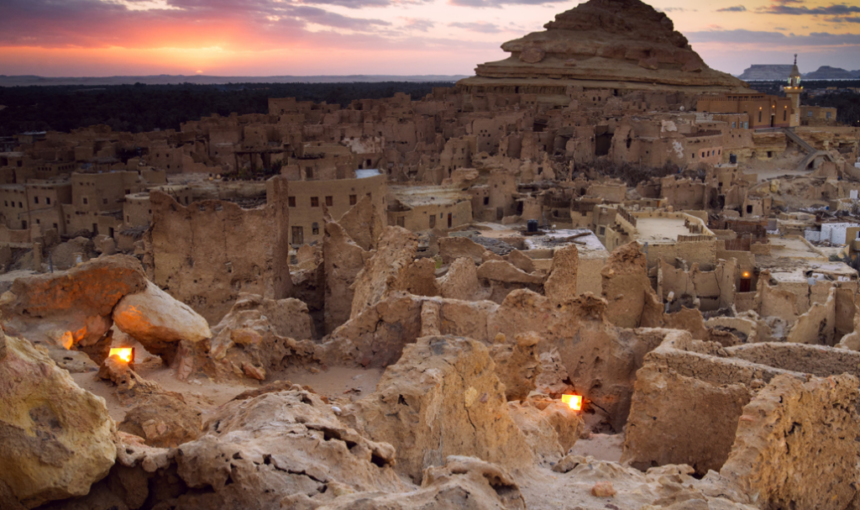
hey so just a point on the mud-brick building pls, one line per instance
(309, 199)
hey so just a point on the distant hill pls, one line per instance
(759, 72)
(165, 79)
(830, 73)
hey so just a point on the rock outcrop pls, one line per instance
(73, 307)
(442, 398)
(56, 439)
(158, 321)
(627, 289)
(560, 286)
(611, 44)
(258, 451)
(257, 335)
(387, 270)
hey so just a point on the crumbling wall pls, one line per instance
(200, 253)
(796, 444)
(627, 289)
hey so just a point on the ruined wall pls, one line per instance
(209, 252)
(789, 420)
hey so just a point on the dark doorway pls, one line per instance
(746, 285)
(450, 221)
(298, 235)
(602, 141)
(95, 229)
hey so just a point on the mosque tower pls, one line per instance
(793, 91)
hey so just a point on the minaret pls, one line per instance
(793, 91)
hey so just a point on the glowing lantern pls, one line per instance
(746, 274)
(574, 401)
(125, 353)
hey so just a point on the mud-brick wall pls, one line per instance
(209, 252)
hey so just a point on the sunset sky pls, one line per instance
(405, 37)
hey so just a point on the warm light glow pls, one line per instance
(125, 353)
(574, 401)
(746, 274)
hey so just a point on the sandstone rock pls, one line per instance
(657, 420)
(461, 281)
(521, 261)
(56, 439)
(503, 271)
(601, 362)
(550, 426)
(560, 286)
(442, 397)
(626, 287)
(257, 451)
(158, 321)
(532, 55)
(343, 261)
(385, 271)
(792, 431)
(78, 301)
(517, 366)
(603, 490)
(464, 482)
(453, 248)
(626, 42)
(363, 223)
(164, 420)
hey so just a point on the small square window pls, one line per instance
(48, 200)
(352, 199)
(35, 200)
(315, 202)
(85, 201)
(329, 201)
(292, 201)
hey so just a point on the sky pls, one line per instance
(74, 38)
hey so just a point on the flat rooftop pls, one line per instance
(415, 196)
(660, 230)
(564, 237)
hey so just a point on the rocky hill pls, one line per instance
(830, 73)
(619, 44)
(765, 72)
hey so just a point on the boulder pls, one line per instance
(163, 420)
(56, 439)
(257, 335)
(158, 321)
(75, 304)
(550, 426)
(442, 398)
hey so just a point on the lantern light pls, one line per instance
(574, 401)
(746, 274)
(124, 353)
